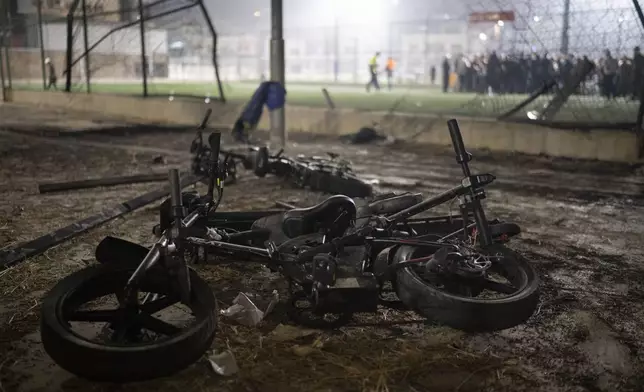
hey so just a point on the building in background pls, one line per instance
(117, 56)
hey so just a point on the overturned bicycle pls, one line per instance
(328, 174)
(338, 257)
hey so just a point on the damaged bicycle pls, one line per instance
(338, 257)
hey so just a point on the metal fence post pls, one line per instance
(278, 118)
(215, 61)
(70, 45)
(42, 45)
(85, 47)
(639, 123)
(144, 62)
(2, 81)
(7, 56)
(565, 31)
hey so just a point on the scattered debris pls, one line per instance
(41, 244)
(363, 136)
(224, 363)
(245, 312)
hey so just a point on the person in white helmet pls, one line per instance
(52, 75)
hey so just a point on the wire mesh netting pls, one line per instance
(548, 41)
(187, 65)
(441, 50)
(107, 47)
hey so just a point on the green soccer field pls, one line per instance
(403, 99)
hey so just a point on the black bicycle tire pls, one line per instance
(118, 364)
(471, 315)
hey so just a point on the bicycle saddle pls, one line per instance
(334, 215)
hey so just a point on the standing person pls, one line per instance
(638, 73)
(52, 75)
(446, 69)
(493, 73)
(608, 68)
(389, 68)
(461, 70)
(373, 71)
(432, 74)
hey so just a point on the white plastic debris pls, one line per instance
(244, 311)
(223, 363)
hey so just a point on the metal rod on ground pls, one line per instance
(215, 61)
(41, 244)
(42, 44)
(544, 89)
(284, 204)
(85, 46)
(98, 182)
(70, 46)
(144, 62)
(277, 116)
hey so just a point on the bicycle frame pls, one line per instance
(470, 191)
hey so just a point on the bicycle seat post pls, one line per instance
(178, 212)
(462, 156)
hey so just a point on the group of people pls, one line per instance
(373, 71)
(611, 77)
(519, 74)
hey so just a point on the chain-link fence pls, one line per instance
(551, 42)
(534, 44)
(112, 46)
(340, 53)
(447, 57)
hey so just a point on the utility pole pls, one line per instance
(277, 116)
(41, 44)
(144, 60)
(565, 31)
(88, 86)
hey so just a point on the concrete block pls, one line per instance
(477, 133)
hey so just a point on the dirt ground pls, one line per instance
(581, 221)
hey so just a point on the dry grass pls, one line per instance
(387, 351)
